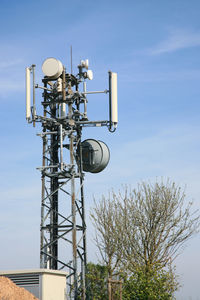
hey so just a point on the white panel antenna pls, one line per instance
(89, 74)
(63, 110)
(113, 100)
(30, 110)
(28, 94)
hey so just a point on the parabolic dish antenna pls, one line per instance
(52, 67)
(95, 154)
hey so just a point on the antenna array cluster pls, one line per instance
(60, 84)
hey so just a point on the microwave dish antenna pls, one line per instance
(52, 67)
(95, 155)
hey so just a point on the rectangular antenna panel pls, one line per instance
(28, 94)
(113, 98)
(63, 110)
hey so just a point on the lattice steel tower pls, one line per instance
(64, 159)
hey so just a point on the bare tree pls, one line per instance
(105, 216)
(144, 227)
(160, 222)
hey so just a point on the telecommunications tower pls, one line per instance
(65, 158)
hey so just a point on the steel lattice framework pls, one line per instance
(63, 222)
(63, 226)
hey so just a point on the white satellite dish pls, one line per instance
(85, 63)
(52, 67)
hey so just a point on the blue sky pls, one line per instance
(154, 47)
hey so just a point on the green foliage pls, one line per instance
(144, 284)
(96, 280)
(150, 285)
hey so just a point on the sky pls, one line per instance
(154, 47)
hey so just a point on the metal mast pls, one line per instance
(63, 226)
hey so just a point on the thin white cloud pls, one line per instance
(147, 76)
(11, 80)
(25, 193)
(170, 151)
(177, 40)
(10, 63)
(8, 86)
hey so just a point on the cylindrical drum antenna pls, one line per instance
(52, 67)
